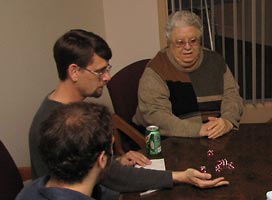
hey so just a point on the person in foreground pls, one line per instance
(76, 146)
(82, 60)
(186, 90)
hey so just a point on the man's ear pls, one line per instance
(102, 160)
(73, 72)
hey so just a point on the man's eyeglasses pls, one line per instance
(182, 43)
(100, 72)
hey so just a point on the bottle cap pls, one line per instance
(269, 195)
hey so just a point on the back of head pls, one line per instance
(181, 19)
(78, 47)
(73, 137)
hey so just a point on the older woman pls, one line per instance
(186, 90)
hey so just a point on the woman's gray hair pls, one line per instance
(181, 19)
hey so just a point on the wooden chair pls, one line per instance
(123, 90)
(11, 177)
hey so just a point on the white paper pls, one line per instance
(157, 164)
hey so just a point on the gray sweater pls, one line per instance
(120, 178)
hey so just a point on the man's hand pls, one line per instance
(132, 158)
(215, 128)
(197, 178)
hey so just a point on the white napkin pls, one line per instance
(157, 164)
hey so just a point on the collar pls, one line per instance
(178, 66)
(59, 193)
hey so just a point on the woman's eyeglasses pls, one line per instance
(182, 43)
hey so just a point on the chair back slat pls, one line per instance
(123, 89)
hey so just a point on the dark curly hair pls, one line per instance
(73, 137)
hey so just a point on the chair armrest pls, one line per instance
(134, 134)
(25, 173)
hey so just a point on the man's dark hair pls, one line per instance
(73, 137)
(78, 47)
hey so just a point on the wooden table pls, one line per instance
(250, 150)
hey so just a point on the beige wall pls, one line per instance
(258, 113)
(131, 33)
(29, 29)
